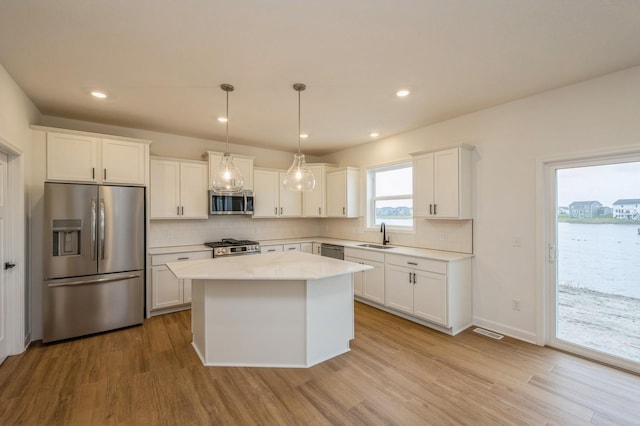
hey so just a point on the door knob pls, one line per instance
(9, 265)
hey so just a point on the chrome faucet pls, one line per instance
(383, 229)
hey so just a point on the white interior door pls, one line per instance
(3, 271)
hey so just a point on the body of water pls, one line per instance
(600, 257)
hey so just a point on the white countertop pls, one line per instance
(270, 266)
(179, 249)
(447, 256)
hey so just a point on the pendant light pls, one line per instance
(299, 177)
(227, 179)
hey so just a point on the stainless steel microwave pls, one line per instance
(234, 203)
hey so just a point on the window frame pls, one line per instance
(371, 199)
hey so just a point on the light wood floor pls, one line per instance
(396, 373)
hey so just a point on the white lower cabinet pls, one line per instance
(368, 284)
(291, 247)
(306, 247)
(166, 290)
(273, 248)
(436, 291)
(316, 248)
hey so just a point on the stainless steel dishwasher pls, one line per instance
(332, 250)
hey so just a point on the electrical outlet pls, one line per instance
(442, 236)
(170, 234)
(516, 241)
(515, 304)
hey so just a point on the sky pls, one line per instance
(605, 184)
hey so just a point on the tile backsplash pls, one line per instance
(163, 233)
(449, 235)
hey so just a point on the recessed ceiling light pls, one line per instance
(402, 93)
(222, 119)
(374, 134)
(99, 95)
(303, 135)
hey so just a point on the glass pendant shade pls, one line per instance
(227, 178)
(299, 176)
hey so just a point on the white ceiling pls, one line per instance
(162, 61)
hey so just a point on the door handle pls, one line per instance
(409, 277)
(280, 211)
(9, 265)
(93, 228)
(430, 208)
(344, 211)
(98, 281)
(414, 277)
(105, 174)
(102, 228)
(435, 209)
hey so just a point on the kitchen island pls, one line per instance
(288, 309)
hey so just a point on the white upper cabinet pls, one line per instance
(85, 158)
(123, 162)
(314, 203)
(342, 192)
(178, 189)
(242, 162)
(442, 183)
(270, 197)
(72, 157)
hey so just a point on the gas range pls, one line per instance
(231, 247)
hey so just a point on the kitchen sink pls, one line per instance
(375, 246)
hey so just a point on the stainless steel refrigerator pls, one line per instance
(94, 239)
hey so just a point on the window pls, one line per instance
(390, 190)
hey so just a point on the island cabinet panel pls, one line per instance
(270, 323)
(442, 183)
(368, 284)
(436, 291)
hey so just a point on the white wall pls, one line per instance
(17, 112)
(509, 139)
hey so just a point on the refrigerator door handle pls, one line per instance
(102, 228)
(99, 280)
(93, 228)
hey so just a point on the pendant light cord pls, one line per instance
(227, 88)
(226, 149)
(298, 121)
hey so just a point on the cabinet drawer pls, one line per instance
(375, 256)
(291, 247)
(430, 265)
(161, 259)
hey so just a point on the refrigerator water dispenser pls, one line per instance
(66, 237)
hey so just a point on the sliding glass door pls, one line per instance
(594, 253)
